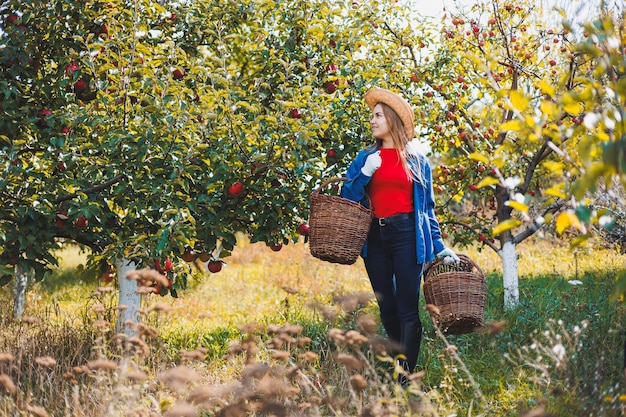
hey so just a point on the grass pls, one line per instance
(246, 341)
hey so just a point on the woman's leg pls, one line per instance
(391, 253)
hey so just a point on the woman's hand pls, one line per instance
(449, 256)
(372, 163)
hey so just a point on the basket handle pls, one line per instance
(328, 181)
(335, 179)
(463, 258)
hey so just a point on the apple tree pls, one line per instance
(155, 132)
(490, 113)
(600, 98)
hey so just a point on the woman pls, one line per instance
(405, 233)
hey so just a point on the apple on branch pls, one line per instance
(295, 113)
(276, 247)
(188, 256)
(304, 229)
(82, 222)
(214, 266)
(235, 189)
(178, 73)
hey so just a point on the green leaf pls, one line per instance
(583, 213)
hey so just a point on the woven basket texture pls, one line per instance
(338, 227)
(459, 292)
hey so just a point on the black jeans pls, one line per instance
(394, 273)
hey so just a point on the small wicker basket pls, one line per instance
(459, 292)
(338, 226)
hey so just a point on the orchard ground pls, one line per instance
(560, 351)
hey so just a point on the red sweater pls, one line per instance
(390, 189)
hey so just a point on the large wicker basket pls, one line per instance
(338, 226)
(459, 292)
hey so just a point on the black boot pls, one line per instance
(410, 339)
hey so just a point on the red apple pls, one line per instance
(414, 78)
(235, 189)
(481, 238)
(80, 85)
(276, 247)
(331, 154)
(178, 73)
(108, 275)
(65, 130)
(330, 87)
(492, 21)
(188, 256)
(473, 187)
(331, 67)
(438, 128)
(11, 19)
(45, 112)
(69, 70)
(552, 62)
(481, 168)
(476, 29)
(61, 165)
(82, 222)
(304, 229)
(295, 113)
(168, 264)
(214, 266)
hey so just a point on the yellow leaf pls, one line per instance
(556, 191)
(565, 220)
(517, 206)
(573, 108)
(530, 121)
(487, 181)
(554, 166)
(548, 108)
(514, 125)
(506, 225)
(476, 156)
(518, 100)
(546, 88)
(570, 105)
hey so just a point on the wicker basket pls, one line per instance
(338, 226)
(459, 292)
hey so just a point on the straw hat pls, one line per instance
(397, 103)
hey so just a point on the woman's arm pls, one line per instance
(435, 230)
(354, 188)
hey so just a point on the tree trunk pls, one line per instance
(19, 299)
(509, 270)
(128, 297)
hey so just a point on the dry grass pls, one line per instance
(243, 342)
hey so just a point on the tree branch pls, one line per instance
(92, 190)
(532, 229)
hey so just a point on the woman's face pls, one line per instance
(380, 128)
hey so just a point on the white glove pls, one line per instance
(449, 256)
(372, 163)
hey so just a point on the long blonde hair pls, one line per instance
(401, 143)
